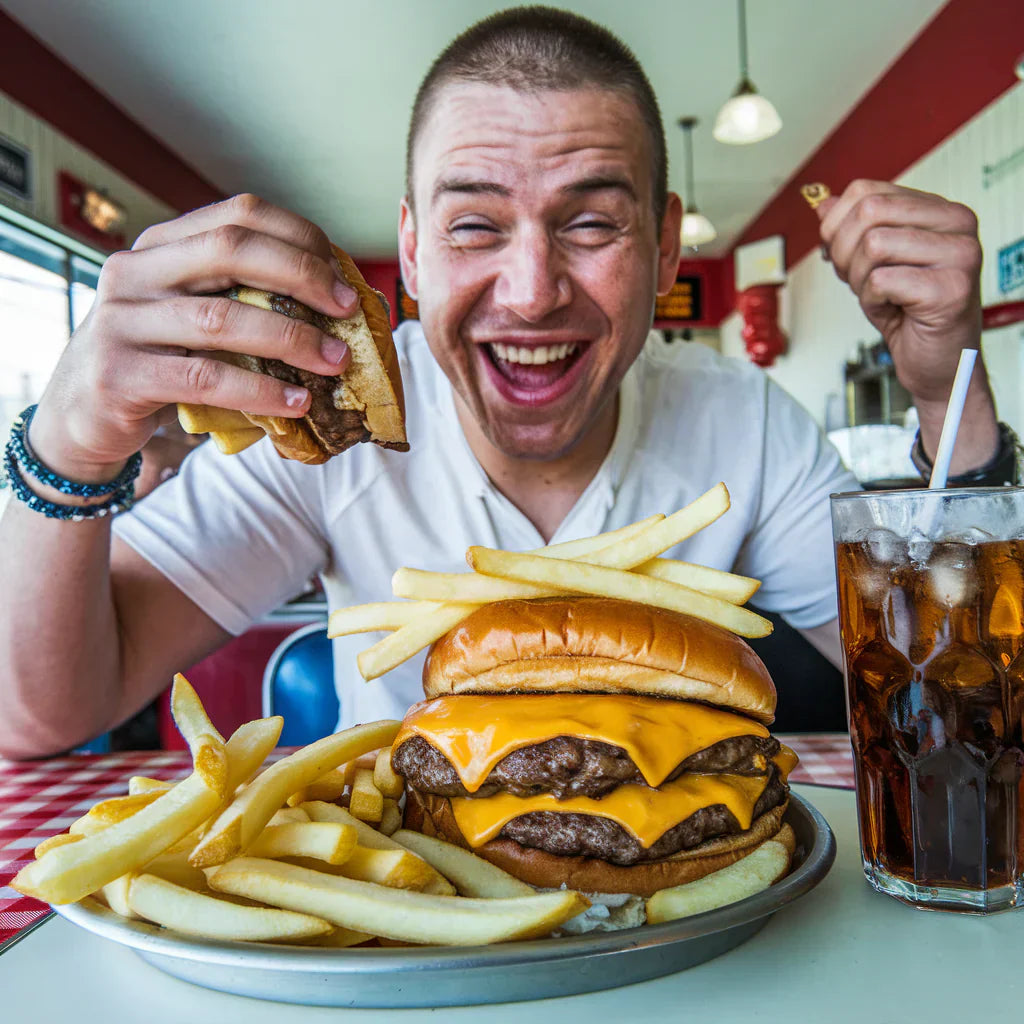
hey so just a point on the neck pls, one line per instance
(543, 490)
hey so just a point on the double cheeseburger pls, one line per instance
(597, 744)
(365, 403)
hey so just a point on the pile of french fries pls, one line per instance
(622, 564)
(235, 853)
(232, 852)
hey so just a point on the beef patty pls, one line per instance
(585, 835)
(570, 766)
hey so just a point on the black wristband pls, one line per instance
(1001, 470)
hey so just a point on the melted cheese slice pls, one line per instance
(476, 732)
(647, 814)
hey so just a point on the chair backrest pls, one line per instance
(298, 684)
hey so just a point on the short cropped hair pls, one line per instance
(535, 49)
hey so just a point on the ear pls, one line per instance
(407, 247)
(669, 245)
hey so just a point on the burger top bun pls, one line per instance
(598, 645)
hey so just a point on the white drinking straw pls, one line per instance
(951, 424)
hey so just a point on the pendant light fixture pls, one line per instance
(746, 117)
(697, 229)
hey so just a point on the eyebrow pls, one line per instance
(474, 186)
(468, 186)
(600, 183)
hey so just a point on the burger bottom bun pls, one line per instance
(433, 816)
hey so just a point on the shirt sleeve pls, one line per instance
(239, 535)
(789, 547)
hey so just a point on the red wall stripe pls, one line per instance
(39, 80)
(958, 64)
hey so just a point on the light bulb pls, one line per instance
(745, 118)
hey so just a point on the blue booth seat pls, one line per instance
(298, 684)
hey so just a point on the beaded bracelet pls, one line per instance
(120, 501)
(18, 449)
(18, 459)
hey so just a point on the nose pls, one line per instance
(533, 281)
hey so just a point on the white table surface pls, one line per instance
(842, 953)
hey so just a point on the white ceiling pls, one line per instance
(306, 102)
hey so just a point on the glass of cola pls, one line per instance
(931, 610)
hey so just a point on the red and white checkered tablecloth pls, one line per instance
(42, 798)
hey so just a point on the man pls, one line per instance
(536, 229)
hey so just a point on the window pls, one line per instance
(46, 289)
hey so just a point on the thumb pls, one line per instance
(823, 207)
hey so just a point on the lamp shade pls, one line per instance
(697, 229)
(745, 118)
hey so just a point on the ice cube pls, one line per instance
(885, 547)
(951, 574)
(972, 535)
(919, 548)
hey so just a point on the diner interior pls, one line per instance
(119, 114)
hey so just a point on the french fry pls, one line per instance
(754, 873)
(384, 777)
(231, 442)
(672, 530)
(209, 757)
(475, 589)
(393, 615)
(472, 875)
(397, 869)
(396, 913)
(138, 785)
(378, 615)
(401, 645)
(366, 801)
(391, 818)
(116, 895)
(583, 578)
(372, 839)
(288, 815)
(66, 873)
(336, 938)
(53, 841)
(319, 840)
(197, 914)
(713, 582)
(173, 866)
(327, 787)
(111, 811)
(244, 818)
(206, 419)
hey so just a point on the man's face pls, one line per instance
(535, 256)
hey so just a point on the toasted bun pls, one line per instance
(366, 403)
(598, 645)
(433, 816)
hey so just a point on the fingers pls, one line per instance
(204, 380)
(929, 295)
(214, 323)
(247, 211)
(867, 205)
(214, 260)
(912, 247)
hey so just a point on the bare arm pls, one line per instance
(89, 635)
(89, 631)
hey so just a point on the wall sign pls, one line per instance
(1011, 267)
(684, 303)
(15, 169)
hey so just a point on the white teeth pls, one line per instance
(532, 356)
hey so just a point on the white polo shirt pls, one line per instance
(241, 534)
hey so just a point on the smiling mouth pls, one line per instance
(533, 367)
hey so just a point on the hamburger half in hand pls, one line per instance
(595, 744)
(365, 403)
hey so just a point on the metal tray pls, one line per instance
(463, 976)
